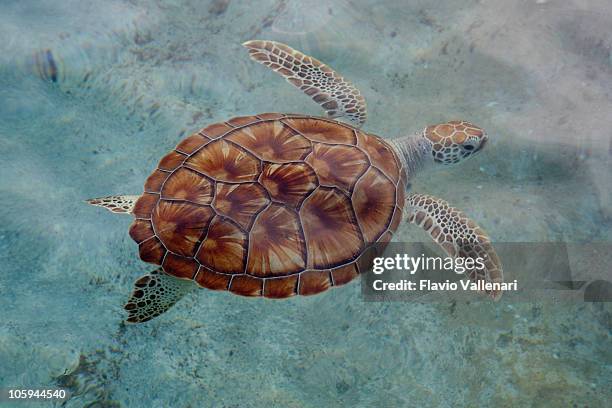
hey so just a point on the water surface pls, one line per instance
(93, 94)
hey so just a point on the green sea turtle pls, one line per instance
(279, 204)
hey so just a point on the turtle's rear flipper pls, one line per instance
(324, 85)
(458, 235)
(119, 204)
(153, 294)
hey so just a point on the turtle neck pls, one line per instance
(414, 153)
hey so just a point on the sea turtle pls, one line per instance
(278, 205)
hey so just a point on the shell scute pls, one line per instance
(145, 205)
(224, 161)
(344, 274)
(385, 238)
(155, 181)
(396, 219)
(242, 120)
(366, 258)
(171, 161)
(278, 288)
(272, 141)
(224, 248)
(180, 266)
(246, 285)
(192, 143)
(337, 165)
(188, 185)
(313, 282)
(270, 116)
(180, 225)
(141, 230)
(215, 130)
(240, 202)
(212, 280)
(381, 155)
(276, 246)
(374, 201)
(331, 231)
(322, 131)
(289, 183)
(152, 251)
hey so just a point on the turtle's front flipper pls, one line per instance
(325, 86)
(153, 294)
(120, 204)
(457, 234)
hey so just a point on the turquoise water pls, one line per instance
(131, 78)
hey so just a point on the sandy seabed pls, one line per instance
(94, 93)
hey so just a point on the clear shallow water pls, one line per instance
(134, 77)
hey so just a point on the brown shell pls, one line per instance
(271, 205)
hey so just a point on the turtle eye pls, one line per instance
(469, 147)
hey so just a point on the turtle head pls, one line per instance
(454, 141)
